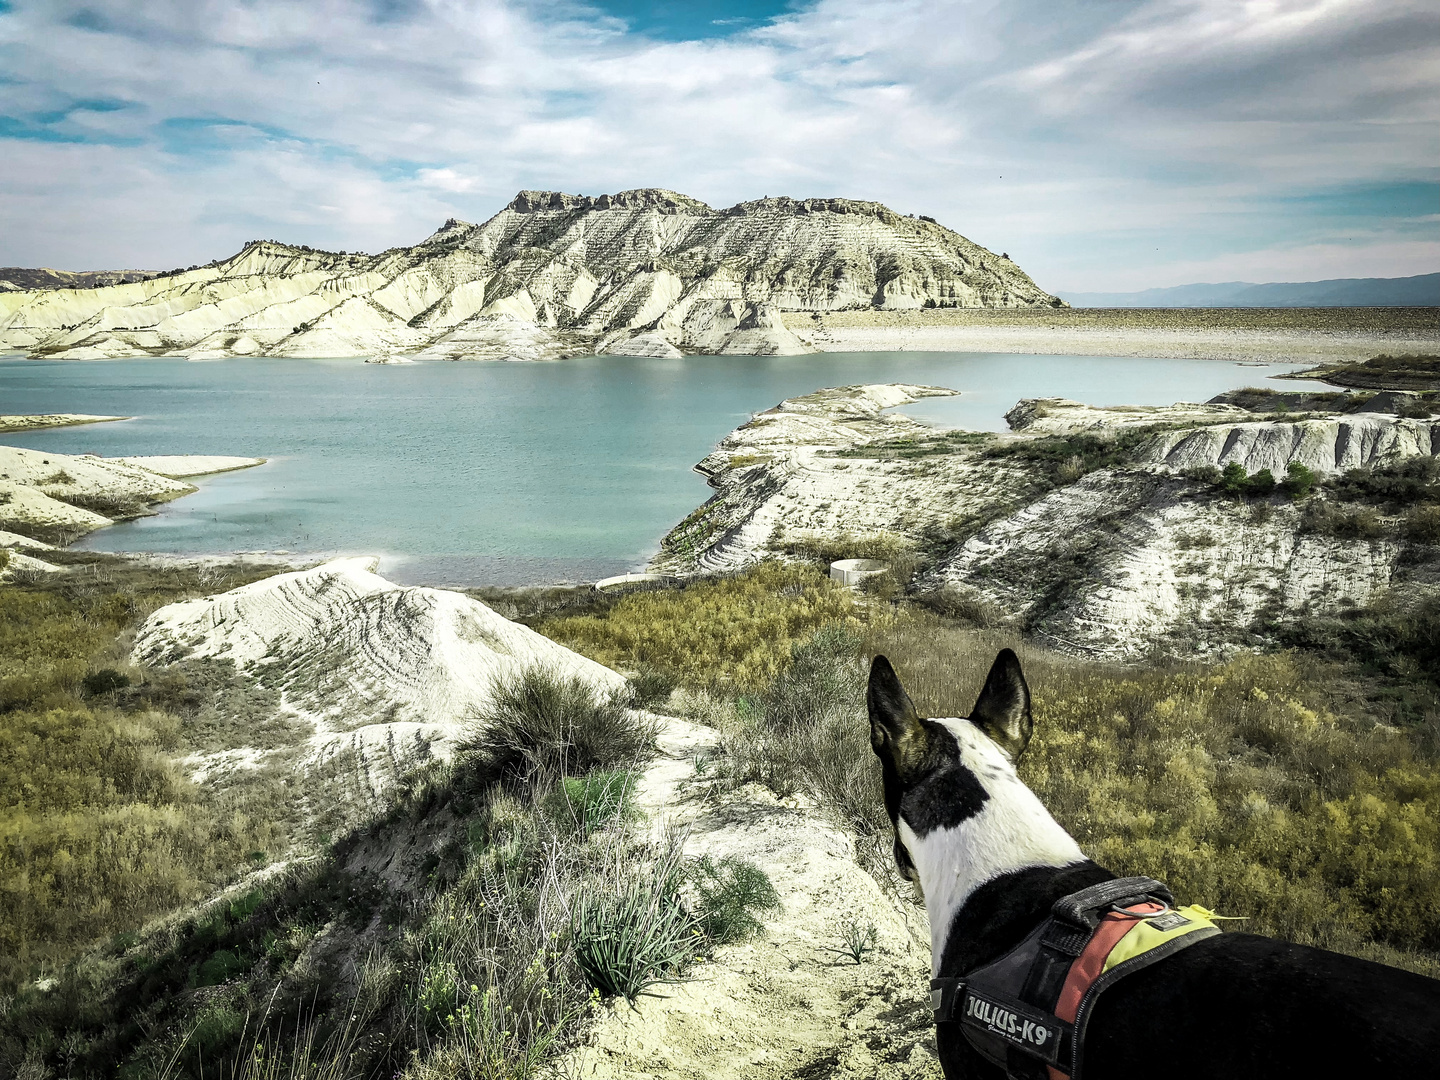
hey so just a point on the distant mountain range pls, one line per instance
(16, 278)
(1422, 290)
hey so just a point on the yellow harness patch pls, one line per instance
(1155, 931)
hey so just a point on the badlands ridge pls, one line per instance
(648, 272)
(1134, 549)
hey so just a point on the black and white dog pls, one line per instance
(990, 862)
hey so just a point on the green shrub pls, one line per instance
(1062, 459)
(1406, 482)
(1422, 525)
(220, 967)
(1342, 522)
(731, 892)
(1299, 480)
(544, 723)
(105, 681)
(1233, 480)
(631, 928)
(1260, 484)
(591, 802)
(650, 686)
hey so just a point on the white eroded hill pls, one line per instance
(1101, 530)
(647, 271)
(358, 666)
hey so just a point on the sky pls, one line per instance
(1106, 145)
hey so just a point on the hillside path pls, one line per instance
(780, 1005)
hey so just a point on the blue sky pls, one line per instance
(1105, 144)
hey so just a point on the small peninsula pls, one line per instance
(49, 499)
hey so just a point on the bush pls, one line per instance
(808, 733)
(1234, 481)
(650, 686)
(104, 681)
(632, 929)
(1299, 480)
(730, 893)
(1342, 522)
(1407, 482)
(543, 723)
(1422, 525)
(1066, 458)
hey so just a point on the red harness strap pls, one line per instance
(1088, 966)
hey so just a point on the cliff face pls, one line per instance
(648, 271)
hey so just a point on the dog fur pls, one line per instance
(990, 861)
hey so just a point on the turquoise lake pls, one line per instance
(469, 473)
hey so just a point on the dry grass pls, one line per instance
(464, 934)
(1266, 787)
(98, 829)
(732, 632)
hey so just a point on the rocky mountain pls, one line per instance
(647, 272)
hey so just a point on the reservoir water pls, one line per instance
(468, 473)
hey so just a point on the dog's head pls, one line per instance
(942, 773)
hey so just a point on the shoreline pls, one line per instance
(20, 423)
(1263, 335)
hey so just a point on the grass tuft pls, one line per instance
(546, 724)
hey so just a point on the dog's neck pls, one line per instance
(1012, 832)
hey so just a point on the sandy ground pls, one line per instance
(49, 420)
(781, 1005)
(1260, 335)
(177, 466)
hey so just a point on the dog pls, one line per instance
(991, 863)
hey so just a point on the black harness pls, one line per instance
(1006, 1009)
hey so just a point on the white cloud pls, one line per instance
(447, 180)
(1079, 137)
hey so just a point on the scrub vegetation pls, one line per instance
(1298, 789)
(98, 828)
(470, 928)
(733, 631)
(1382, 372)
(469, 931)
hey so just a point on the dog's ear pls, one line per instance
(896, 734)
(1003, 710)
